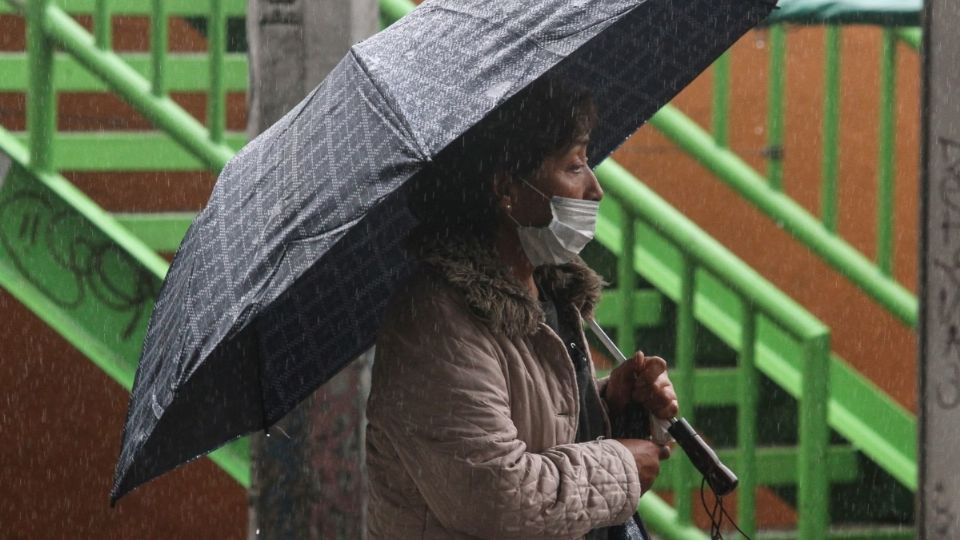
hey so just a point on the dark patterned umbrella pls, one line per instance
(283, 277)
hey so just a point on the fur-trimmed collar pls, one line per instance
(496, 297)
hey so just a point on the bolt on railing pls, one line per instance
(775, 113)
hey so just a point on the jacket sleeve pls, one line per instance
(441, 397)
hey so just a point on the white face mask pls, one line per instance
(570, 229)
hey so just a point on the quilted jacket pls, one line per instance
(473, 410)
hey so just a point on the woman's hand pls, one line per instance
(642, 379)
(647, 456)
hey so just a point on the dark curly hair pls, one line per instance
(453, 198)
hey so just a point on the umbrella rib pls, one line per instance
(404, 126)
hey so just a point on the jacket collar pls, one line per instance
(496, 297)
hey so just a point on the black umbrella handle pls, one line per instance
(719, 476)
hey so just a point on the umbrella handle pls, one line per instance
(721, 479)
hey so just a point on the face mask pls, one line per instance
(570, 229)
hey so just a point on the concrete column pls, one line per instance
(938, 515)
(308, 475)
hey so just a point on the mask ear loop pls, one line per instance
(542, 194)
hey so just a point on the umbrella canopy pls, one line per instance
(282, 279)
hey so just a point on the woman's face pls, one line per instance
(564, 174)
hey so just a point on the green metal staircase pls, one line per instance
(92, 275)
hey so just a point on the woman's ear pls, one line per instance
(503, 189)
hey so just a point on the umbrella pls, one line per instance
(282, 278)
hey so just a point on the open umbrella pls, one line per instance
(282, 279)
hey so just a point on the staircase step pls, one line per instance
(647, 308)
(890, 532)
(777, 465)
(161, 231)
(231, 8)
(185, 72)
(105, 151)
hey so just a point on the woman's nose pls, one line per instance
(594, 191)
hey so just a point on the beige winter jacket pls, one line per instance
(473, 410)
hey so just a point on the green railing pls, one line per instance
(770, 333)
(759, 301)
(64, 257)
(766, 192)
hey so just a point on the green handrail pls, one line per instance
(699, 252)
(130, 85)
(730, 168)
(874, 278)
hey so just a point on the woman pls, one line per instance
(485, 420)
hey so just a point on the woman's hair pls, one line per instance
(453, 197)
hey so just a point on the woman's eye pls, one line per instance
(576, 167)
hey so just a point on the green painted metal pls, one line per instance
(626, 285)
(233, 8)
(41, 99)
(392, 11)
(102, 24)
(911, 36)
(647, 310)
(707, 254)
(887, 147)
(711, 386)
(161, 232)
(849, 533)
(158, 48)
(216, 46)
(857, 409)
(82, 273)
(813, 488)
(185, 72)
(721, 99)
(123, 151)
(748, 391)
(831, 131)
(777, 466)
(683, 380)
(162, 111)
(662, 519)
(881, 12)
(775, 114)
(730, 168)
